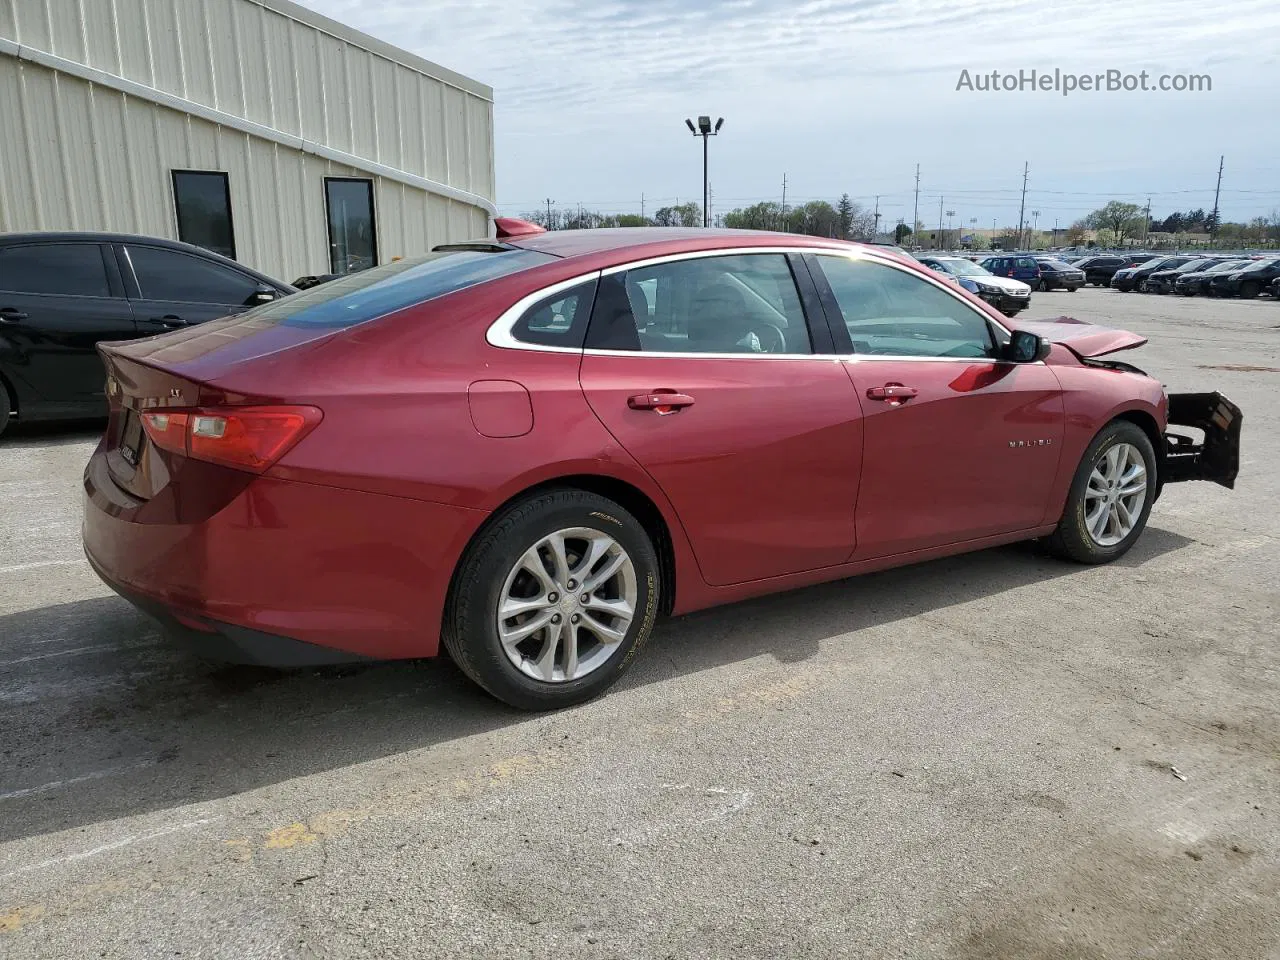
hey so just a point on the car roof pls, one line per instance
(65, 236)
(628, 242)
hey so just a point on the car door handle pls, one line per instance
(10, 315)
(170, 320)
(893, 393)
(661, 402)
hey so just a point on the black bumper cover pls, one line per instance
(1217, 457)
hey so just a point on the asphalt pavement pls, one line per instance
(992, 756)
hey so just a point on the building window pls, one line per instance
(203, 201)
(353, 241)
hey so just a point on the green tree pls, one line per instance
(845, 210)
(1121, 220)
(900, 233)
(758, 216)
(682, 215)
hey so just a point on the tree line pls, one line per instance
(845, 219)
(1119, 224)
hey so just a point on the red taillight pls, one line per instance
(168, 431)
(246, 438)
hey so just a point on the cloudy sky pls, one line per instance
(849, 95)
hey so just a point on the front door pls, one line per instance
(959, 444)
(56, 305)
(703, 369)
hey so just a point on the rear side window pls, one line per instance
(378, 291)
(743, 303)
(558, 321)
(172, 275)
(65, 269)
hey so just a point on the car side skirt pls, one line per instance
(1217, 457)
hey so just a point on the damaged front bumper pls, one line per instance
(1217, 456)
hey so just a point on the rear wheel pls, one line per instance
(554, 600)
(1110, 497)
(1250, 289)
(4, 407)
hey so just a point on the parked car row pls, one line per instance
(1008, 295)
(1201, 276)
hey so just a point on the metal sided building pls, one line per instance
(255, 128)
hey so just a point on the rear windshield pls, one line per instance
(378, 291)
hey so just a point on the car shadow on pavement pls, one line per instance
(53, 433)
(103, 718)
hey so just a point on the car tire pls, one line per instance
(491, 572)
(1076, 537)
(1072, 289)
(4, 407)
(1249, 289)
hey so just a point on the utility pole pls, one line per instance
(1146, 222)
(1035, 219)
(993, 233)
(875, 227)
(549, 202)
(784, 195)
(1022, 207)
(915, 214)
(940, 223)
(642, 205)
(1213, 234)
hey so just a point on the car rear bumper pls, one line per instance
(1217, 456)
(284, 566)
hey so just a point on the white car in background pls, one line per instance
(1007, 295)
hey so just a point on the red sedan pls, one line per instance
(529, 448)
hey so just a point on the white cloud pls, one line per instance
(591, 97)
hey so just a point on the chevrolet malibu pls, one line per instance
(527, 449)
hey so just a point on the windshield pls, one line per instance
(378, 291)
(960, 267)
(1259, 265)
(1194, 266)
(1056, 265)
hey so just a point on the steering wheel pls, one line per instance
(772, 339)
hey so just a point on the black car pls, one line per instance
(1055, 274)
(1162, 280)
(1128, 278)
(1101, 269)
(1247, 282)
(1191, 284)
(63, 293)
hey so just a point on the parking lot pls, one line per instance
(996, 755)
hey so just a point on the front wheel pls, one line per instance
(554, 600)
(1250, 289)
(4, 407)
(1110, 497)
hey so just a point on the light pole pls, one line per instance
(1035, 219)
(950, 214)
(705, 130)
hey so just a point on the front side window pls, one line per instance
(63, 269)
(203, 204)
(742, 303)
(890, 312)
(558, 321)
(172, 275)
(353, 244)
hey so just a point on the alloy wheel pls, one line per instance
(1115, 494)
(567, 604)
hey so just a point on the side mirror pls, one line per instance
(263, 294)
(1026, 347)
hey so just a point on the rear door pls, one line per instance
(705, 369)
(58, 300)
(958, 443)
(170, 289)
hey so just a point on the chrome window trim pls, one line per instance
(499, 333)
